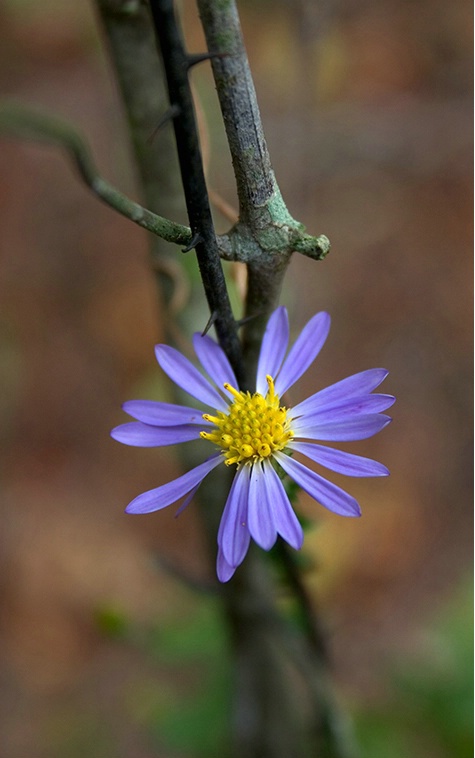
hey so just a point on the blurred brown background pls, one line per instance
(367, 112)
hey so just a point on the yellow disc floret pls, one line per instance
(254, 427)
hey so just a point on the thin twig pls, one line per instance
(266, 234)
(176, 65)
(28, 123)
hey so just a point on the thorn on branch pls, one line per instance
(210, 323)
(195, 58)
(169, 115)
(246, 320)
(195, 240)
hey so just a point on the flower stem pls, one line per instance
(264, 645)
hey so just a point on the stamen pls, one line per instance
(253, 428)
(270, 391)
(213, 419)
(238, 395)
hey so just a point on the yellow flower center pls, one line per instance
(254, 427)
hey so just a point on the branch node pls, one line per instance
(313, 247)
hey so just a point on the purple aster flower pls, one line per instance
(258, 435)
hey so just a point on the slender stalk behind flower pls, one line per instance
(258, 435)
(176, 63)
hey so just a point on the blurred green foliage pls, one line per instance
(426, 713)
(429, 709)
(194, 722)
(111, 621)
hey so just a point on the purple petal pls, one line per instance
(187, 500)
(337, 460)
(355, 428)
(261, 523)
(143, 435)
(304, 351)
(223, 569)
(233, 534)
(325, 492)
(169, 493)
(214, 361)
(186, 376)
(285, 520)
(342, 410)
(357, 384)
(273, 348)
(163, 414)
